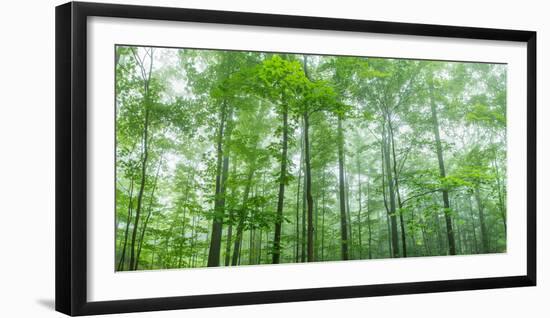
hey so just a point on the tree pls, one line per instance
(146, 72)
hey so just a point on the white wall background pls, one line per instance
(27, 158)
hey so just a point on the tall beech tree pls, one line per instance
(146, 71)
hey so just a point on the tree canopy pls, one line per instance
(228, 158)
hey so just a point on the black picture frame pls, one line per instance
(71, 157)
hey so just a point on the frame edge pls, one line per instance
(532, 158)
(63, 83)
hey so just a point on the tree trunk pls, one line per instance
(182, 233)
(192, 254)
(309, 198)
(391, 190)
(187, 187)
(300, 170)
(444, 191)
(227, 259)
(359, 201)
(153, 255)
(316, 227)
(242, 216)
(323, 219)
(297, 243)
(427, 250)
(146, 77)
(412, 236)
(259, 247)
(251, 239)
(282, 182)
(228, 240)
(476, 248)
(399, 203)
(348, 215)
(440, 243)
(128, 220)
(384, 195)
(369, 245)
(342, 195)
(457, 229)
(304, 221)
(483, 227)
(501, 205)
(149, 212)
(141, 188)
(222, 167)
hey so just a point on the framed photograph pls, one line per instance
(208, 158)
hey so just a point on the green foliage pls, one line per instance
(199, 139)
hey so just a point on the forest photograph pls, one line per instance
(230, 158)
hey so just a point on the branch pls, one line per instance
(419, 195)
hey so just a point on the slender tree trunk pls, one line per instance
(227, 259)
(141, 188)
(391, 190)
(282, 182)
(501, 205)
(368, 220)
(309, 198)
(473, 224)
(153, 255)
(215, 243)
(128, 220)
(396, 180)
(146, 77)
(457, 229)
(192, 254)
(316, 227)
(149, 212)
(304, 221)
(222, 167)
(413, 235)
(141, 238)
(460, 241)
(251, 239)
(425, 240)
(444, 191)
(182, 233)
(483, 227)
(390, 241)
(440, 242)
(300, 167)
(297, 243)
(385, 197)
(242, 216)
(167, 259)
(348, 214)
(360, 203)
(403, 233)
(187, 187)
(238, 242)
(323, 218)
(342, 195)
(228, 240)
(259, 247)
